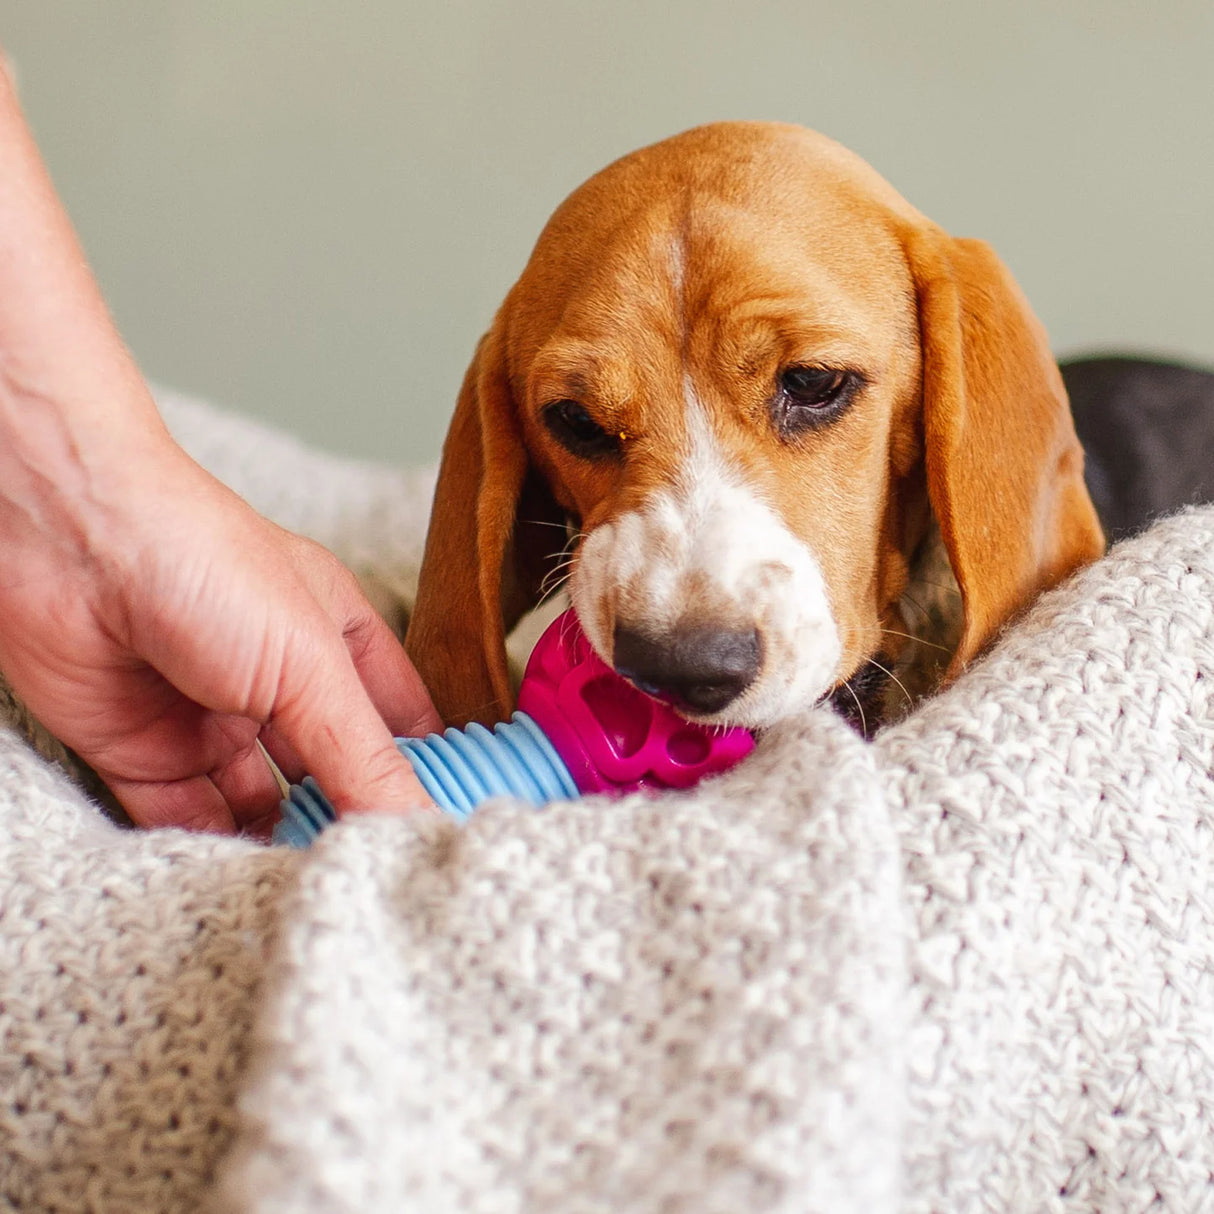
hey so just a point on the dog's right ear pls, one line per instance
(1004, 468)
(490, 541)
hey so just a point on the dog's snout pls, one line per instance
(701, 669)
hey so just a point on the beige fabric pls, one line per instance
(966, 967)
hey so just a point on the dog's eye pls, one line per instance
(811, 397)
(578, 432)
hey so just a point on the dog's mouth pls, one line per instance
(710, 698)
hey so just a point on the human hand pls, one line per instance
(148, 617)
(160, 627)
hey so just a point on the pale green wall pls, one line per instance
(310, 210)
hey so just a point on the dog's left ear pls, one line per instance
(494, 532)
(1004, 467)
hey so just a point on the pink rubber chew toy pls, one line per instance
(581, 727)
(612, 737)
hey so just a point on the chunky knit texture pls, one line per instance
(966, 967)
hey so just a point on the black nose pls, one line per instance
(702, 669)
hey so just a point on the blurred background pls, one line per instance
(309, 211)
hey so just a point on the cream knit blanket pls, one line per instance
(965, 967)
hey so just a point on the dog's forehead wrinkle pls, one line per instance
(677, 257)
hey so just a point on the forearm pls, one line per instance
(73, 405)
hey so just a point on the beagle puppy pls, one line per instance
(741, 397)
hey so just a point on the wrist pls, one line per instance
(66, 465)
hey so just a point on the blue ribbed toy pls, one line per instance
(581, 728)
(459, 769)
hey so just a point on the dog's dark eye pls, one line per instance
(811, 397)
(578, 432)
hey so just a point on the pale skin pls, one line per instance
(149, 618)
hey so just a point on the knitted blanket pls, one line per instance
(967, 966)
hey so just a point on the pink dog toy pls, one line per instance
(612, 737)
(580, 728)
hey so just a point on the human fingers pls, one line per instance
(395, 687)
(240, 794)
(192, 803)
(247, 783)
(174, 763)
(324, 714)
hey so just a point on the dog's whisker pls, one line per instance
(901, 686)
(569, 549)
(918, 640)
(561, 566)
(471, 714)
(917, 605)
(549, 591)
(550, 594)
(566, 626)
(936, 586)
(554, 579)
(563, 559)
(860, 707)
(552, 583)
(543, 522)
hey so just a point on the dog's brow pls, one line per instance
(577, 385)
(573, 373)
(762, 336)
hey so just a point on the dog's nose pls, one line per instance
(702, 669)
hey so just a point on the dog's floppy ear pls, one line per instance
(1004, 468)
(494, 528)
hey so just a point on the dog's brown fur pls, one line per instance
(792, 250)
